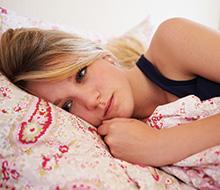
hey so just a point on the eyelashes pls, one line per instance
(79, 77)
(81, 74)
(67, 107)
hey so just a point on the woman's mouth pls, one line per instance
(109, 106)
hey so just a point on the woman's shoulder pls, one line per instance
(182, 49)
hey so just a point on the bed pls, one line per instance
(44, 147)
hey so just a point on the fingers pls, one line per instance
(103, 130)
(108, 125)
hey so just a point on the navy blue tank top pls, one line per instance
(201, 87)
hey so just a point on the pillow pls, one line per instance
(44, 147)
(129, 47)
(12, 19)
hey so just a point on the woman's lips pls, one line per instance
(109, 106)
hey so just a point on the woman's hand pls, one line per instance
(130, 140)
(136, 142)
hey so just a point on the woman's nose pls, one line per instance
(90, 98)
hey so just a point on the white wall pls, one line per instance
(116, 16)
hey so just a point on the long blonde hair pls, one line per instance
(33, 54)
(44, 55)
(127, 49)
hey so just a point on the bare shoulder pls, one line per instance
(182, 49)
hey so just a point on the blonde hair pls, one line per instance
(33, 54)
(127, 49)
(44, 55)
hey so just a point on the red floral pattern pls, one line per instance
(37, 125)
(72, 155)
(4, 93)
(9, 173)
(4, 11)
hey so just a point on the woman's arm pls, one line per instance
(136, 142)
(185, 140)
(182, 49)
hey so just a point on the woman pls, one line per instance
(82, 78)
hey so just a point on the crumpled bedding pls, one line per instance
(44, 147)
(201, 170)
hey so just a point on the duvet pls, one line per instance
(201, 170)
(44, 147)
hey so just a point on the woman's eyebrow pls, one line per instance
(57, 101)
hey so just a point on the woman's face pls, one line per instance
(98, 92)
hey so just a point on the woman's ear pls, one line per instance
(109, 58)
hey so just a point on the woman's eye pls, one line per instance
(67, 107)
(80, 75)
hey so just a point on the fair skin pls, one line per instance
(103, 90)
(180, 50)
